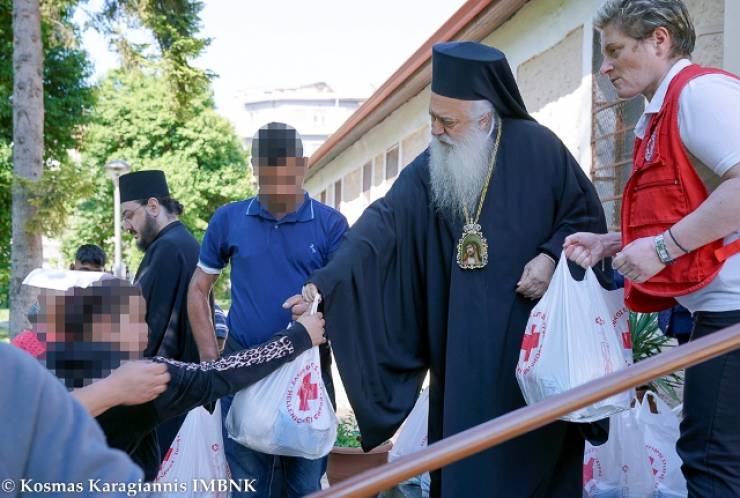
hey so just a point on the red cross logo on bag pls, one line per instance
(588, 471)
(530, 341)
(302, 391)
(592, 471)
(307, 391)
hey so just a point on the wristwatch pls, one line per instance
(662, 251)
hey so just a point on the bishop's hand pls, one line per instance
(536, 276)
(300, 303)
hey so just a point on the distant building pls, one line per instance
(315, 110)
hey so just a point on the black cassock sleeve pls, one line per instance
(577, 209)
(375, 307)
(164, 283)
(578, 205)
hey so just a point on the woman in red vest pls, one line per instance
(680, 215)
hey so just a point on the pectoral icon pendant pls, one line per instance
(472, 248)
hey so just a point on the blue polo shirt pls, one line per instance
(270, 260)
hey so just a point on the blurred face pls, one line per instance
(633, 66)
(451, 119)
(50, 318)
(281, 183)
(125, 327)
(87, 336)
(140, 221)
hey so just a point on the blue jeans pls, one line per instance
(276, 476)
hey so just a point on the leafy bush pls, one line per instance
(348, 434)
(647, 341)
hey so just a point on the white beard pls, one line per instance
(458, 171)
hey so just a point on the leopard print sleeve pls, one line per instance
(194, 384)
(272, 350)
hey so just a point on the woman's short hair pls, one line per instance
(638, 19)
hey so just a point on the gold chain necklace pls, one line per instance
(472, 248)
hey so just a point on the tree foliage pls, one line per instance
(156, 112)
(68, 98)
(201, 155)
(174, 26)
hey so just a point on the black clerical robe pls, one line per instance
(397, 304)
(163, 276)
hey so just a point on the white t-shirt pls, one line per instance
(709, 124)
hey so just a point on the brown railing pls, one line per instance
(528, 418)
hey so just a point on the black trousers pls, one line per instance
(710, 431)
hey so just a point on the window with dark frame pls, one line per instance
(612, 139)
(391, 163)
(337, 194)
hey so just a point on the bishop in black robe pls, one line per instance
(398, 305)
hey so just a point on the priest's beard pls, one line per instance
(458, 170)
(147, 233)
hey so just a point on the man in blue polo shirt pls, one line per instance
(273, 242)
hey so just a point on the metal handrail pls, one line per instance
(532, 417)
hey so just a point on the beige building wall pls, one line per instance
(539, 32)
(709, 23)
(708, 17)
(553, 90)
(402, 128)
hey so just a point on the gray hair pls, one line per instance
(480, 108)
(638, 19)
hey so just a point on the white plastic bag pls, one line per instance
(413, 434)
(660, 433)
(196, 453)
(570, 340)
(620, 321)
(287, 413)
(618, 468)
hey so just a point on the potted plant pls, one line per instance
(347, 458)
(647, 341)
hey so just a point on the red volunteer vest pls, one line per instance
(663, 189)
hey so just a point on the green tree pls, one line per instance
(174, 27)
(67, 98)
(50, 94)
(201, 155)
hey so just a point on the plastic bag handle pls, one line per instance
(661, 405)
(564, 272)
(315, 305)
